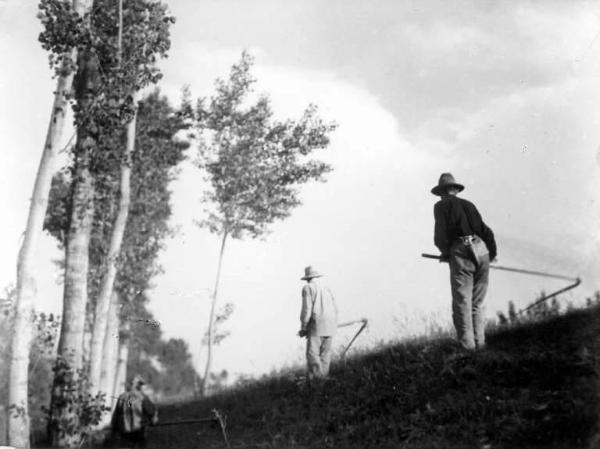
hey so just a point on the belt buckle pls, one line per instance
(467, 239)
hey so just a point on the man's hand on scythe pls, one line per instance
(302, 333)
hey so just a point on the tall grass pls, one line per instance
(534, 387)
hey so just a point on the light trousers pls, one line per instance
(469, 275)
(318, 355)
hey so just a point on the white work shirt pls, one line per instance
(319, 311)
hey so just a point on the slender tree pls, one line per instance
(215, 335)
(158, 151)
(110, 350)
(116, 238)
(118, 228)
(18, 423)
(103, 301)
(255, 164)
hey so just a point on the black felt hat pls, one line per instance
(446, 181)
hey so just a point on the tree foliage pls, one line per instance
(165, 364)
(221, 318)
(106, 82)
(84, 409)
(255, 162)
(145, 38)
(107, 74)
(159, 149)
(41, 356)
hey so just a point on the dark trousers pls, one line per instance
(133, 440)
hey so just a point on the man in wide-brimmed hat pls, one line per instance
(468, 245)
(133, 413)
(318, 323)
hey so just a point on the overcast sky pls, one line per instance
(503, 94)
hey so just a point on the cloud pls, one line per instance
(449, 60)
(421, 60)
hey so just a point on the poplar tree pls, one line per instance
(255, 164)
(18, 422)
(104, 84)
(160, 145)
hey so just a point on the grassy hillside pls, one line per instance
(535, 386)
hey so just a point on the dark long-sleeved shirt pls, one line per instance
(133, 412)
(456, 217)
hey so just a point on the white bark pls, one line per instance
(75, 295)
(108, 280)
(211, 321)
(70, 344)
(121, 376)
(18, 424)
(110, 350)
(109, 356)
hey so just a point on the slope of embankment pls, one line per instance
(535, 386)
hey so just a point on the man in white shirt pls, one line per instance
(318, 323)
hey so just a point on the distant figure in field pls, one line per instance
(318, 323)
(132, 415)
(468, 245)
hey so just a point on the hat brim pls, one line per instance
(440, 190)
(306, 278)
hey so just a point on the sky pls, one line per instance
(502, 94)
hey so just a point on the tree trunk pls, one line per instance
(116, 238)
(121, 374)
(71, 341)
(110, 350)
(70, 344)
(110, 354)
(18, 424)
(211, 321)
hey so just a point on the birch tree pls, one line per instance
(255, 165)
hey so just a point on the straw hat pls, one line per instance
(309, 273)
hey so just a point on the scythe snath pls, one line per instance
(575, 281)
